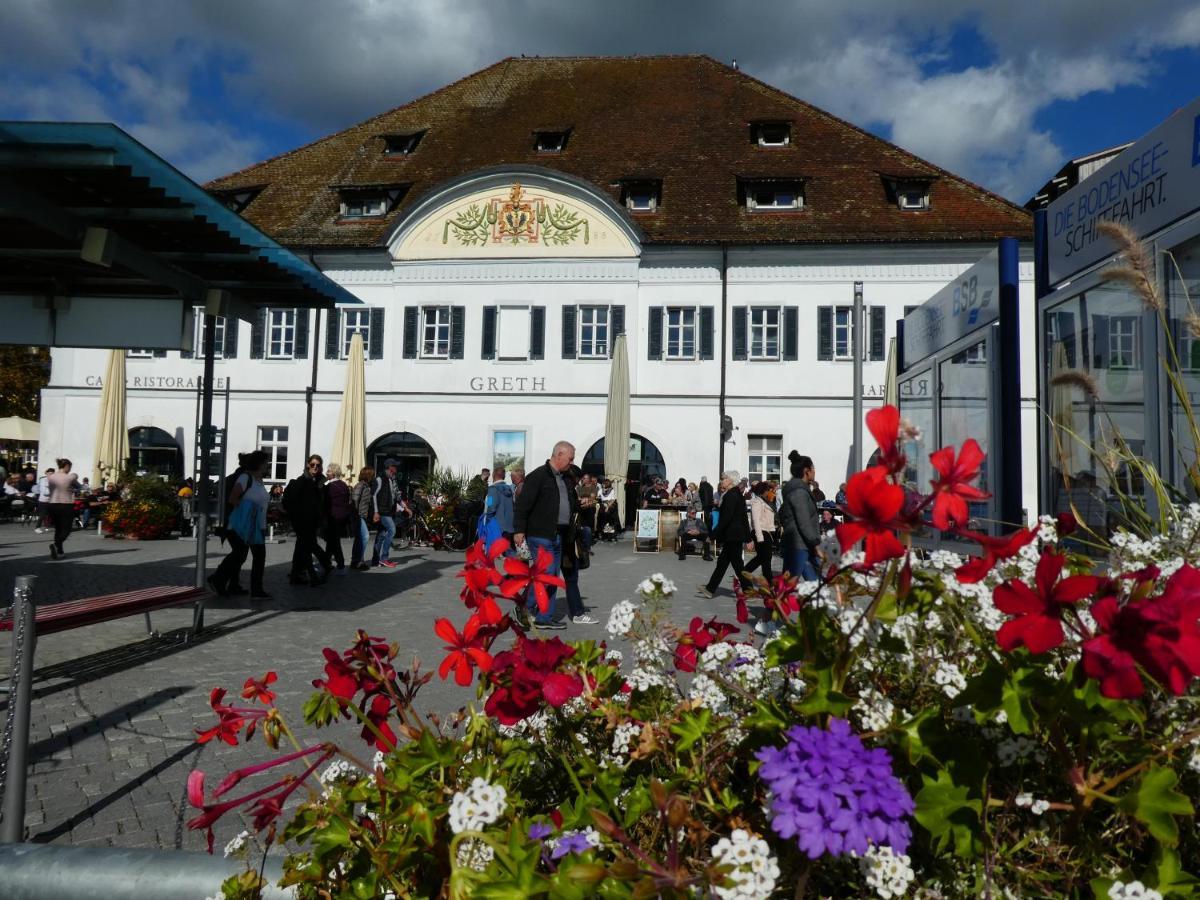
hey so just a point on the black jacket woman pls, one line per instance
(732, 531)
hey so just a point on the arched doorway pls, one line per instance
(645, 462)
(412, 452)
(153, 451)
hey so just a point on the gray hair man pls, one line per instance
(731, 532)
(541, 515)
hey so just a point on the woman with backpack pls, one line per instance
(247, 527)
(360, 508)
(337, 515)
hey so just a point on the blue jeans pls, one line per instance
(554, 545)
(575, 605)
(362, 537)
(799, 562)
(383, 540)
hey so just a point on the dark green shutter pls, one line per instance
(791, 332)
(302, 333)
(458, 331)
(878, 333)
(741, 316)
(189, 354)
(617, 318)
(412, 315)
(488, 350)
(570, 314)
(824, 332)
(229, 350)
(537, 332)
(333, 322)
(1099, 336)
(654, 334)
(375, 351)
(707, 325)
(258, 333)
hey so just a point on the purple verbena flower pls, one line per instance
(833, 795)
(573, 842)
(539, 831)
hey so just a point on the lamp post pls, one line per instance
(856, 348)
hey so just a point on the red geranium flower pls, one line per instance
(884, 425)
(1039, 613)
(691, 643)
(256, 688)
(527, 675)
(466, 649)
(480, 571)
(953, 489)
(994, 550)
(523, 576)
(873, 504)
(1160, 634)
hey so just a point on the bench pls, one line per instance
(70, 614)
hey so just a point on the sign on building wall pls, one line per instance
(1148, 186)
(971, 301)
(508, 450)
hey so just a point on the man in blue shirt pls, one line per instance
(500, 502)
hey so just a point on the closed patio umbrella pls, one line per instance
(14, 428)
(616, 422)
(350, 440)
(112, 437)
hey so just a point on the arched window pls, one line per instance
(153, 451)
(412, 452)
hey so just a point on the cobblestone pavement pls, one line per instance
(115, 711)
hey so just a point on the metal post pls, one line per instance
(203, 487)
(856, 342)
(16, 730)
(1009, 487)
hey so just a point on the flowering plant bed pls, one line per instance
(148, 510)
(1007, 726)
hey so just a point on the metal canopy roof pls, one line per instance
(86, 210)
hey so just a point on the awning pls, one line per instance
(95, 227)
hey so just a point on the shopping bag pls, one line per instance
(488, 531)
(243, 522)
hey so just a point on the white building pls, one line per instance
(502, 230)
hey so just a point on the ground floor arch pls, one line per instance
(646, 462)
(415, 456)
(153, 451)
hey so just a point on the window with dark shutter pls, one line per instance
(302, 333)
(618, 322)
(739, 331)
(537, 332)
(412, 315)
(458, 331)
(654, 334)
(258, 333)
(488, 348)
(375, 351)
(824, 332)
(569, 316)
(229, 350)
(333, 324)
(878, 332)
(791, 332)
(707, 332)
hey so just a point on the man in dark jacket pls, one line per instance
(541, 516)
(800, 520)
(706, 499)
(732, 531)
(304, 505)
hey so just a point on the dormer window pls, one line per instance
(772, 134)
(401, 144)
(550, 141)
(909, 194)
(369, 202)
(774, 195)
(238, 200)
(641, 196)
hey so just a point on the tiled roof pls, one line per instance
(685, 120)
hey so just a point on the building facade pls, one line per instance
(502, 231)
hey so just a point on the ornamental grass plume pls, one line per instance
(1077, 378)
(833, 795)
(1137, 271)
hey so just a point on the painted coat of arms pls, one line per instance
(516, 220)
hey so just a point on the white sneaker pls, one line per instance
(585, 619)
(39, 531)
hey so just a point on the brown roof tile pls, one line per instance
(682, 119)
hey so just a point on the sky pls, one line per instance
(1002, 93)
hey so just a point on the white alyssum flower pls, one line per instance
(1018, 749)
(755, 869)
(620, 618)
(340, 770)
(625, 737)
(1194, 762)
(479, 805)
(475, 854)
(874, 710)
(237, 844)
(708, 693)
(614, 658)
(1135, 890)
(886, 872)
(948, 677)
(651, 649)
(379, 761)
(643, 679)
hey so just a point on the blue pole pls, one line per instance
(1009, 486)
(1041, 288)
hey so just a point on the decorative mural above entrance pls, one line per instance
(523, 213)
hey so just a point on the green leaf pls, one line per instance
(1016, 697)
(921, 734)
(1155, 803)
(1100, 887)
(822, 698)
(691, 727)
(947, 811)
(333, 835)
(1169, 878)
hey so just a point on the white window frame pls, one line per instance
(286, 327)
(761, 127)
(271, 440)
(351, 322)
(848, 329)
(592, 346)
(976, 354)
(562, 143)
(1117, 339)
(769, 458)
(765, 321)
(675, 335)
(912, 196)
(435, 320)
(365, 207)
(1189, 350)
(636, 190)
(218, 335)
(139, 353)
(402, 144)
(753, 189)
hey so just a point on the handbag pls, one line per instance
(580, 553)
(243, 522)
(488, 531)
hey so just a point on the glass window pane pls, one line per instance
(964, 414)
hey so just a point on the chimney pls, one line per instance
(735, 65)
